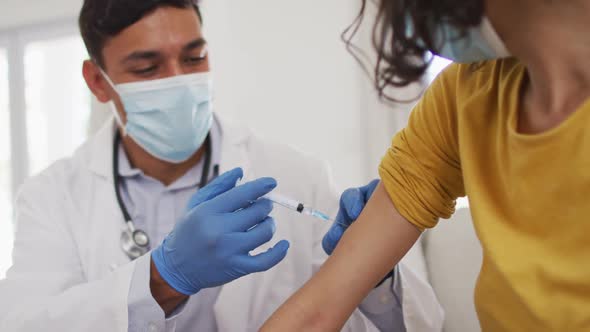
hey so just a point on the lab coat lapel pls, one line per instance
(107, 224)
(100, 158)
(234, 147)
(106, 228)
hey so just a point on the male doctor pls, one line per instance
(138, 231)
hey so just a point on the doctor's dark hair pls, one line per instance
(401, 58)
(103, 19)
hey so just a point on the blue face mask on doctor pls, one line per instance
(169, 118)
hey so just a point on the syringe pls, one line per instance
(295, 205)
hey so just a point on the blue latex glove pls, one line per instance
(352, 204)
(210, 245)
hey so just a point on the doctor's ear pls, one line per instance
(95, 81)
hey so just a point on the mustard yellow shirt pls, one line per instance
(529, 194)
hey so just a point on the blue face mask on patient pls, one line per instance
(169, 118)
(478, 43)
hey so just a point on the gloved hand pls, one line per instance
(352, 204)
(210, 245)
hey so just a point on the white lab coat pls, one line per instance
(70, 273)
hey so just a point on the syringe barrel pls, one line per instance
(285, 201)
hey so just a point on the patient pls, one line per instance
(494, 128)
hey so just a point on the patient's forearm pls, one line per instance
(376, 242)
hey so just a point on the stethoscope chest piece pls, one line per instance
(135, 243)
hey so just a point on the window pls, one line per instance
(438, 65)
(6, 235)
(44, 110)
(57, 99)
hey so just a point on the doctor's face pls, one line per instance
(165, 43)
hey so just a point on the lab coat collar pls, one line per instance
(100, 158)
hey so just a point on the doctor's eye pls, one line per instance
(195, 60)
(196, 56)
(145, 71)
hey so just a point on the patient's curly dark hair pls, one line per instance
(403, 59)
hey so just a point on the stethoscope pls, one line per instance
(135, 242)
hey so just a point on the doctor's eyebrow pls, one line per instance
(141, 55)
(195, 44)
(152, 55)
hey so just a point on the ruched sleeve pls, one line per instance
(421, 170)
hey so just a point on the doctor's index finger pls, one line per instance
(218, 186)
(242, 196)
(369, 189)
(251, 216)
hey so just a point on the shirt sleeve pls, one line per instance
(421, 171)
(383, 306)
(145, 314)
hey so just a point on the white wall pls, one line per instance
(280, 68)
